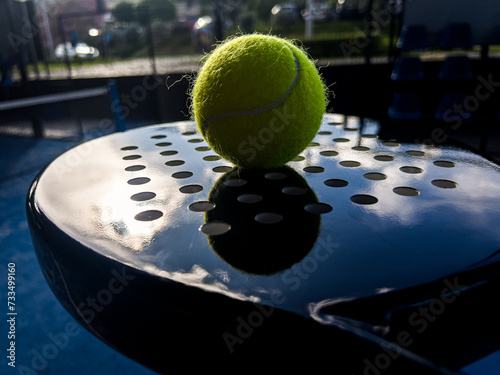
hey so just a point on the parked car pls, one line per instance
(319, 12)
(285, 10)
(285, 14)
(81, 50)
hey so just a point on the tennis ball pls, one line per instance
(258, 100)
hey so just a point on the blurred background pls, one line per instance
(73, 70)
(152, 50)
(173, 33)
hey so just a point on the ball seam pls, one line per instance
(258, 110)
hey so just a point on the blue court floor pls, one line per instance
(47, 339)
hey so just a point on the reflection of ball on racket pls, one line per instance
(269, 219)
(258, 100)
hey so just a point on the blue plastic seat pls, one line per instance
(456, 67)
(451, 108)
(408, 69)
(413, 38)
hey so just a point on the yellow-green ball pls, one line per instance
(258, 100)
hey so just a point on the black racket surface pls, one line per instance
(353, 217)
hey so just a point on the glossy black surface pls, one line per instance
(354, 218)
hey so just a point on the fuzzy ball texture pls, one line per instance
(258, 100)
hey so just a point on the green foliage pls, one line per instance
(264, 9)
(124, 11)
(159, 10)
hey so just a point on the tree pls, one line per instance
(124, 11)
(262, 8)
(159, 10)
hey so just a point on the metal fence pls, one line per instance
(152, 39)
(55, 44)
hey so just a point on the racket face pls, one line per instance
(352, 216)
